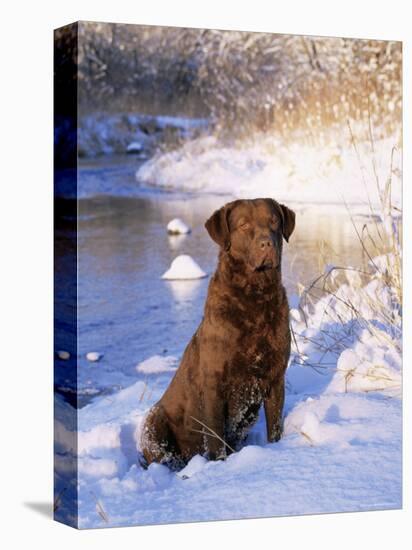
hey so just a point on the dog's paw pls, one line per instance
(142, 461)
(276, 433)
(217, 455)
(221, 456)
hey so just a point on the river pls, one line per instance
(126, 311)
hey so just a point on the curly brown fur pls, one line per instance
(237, 358)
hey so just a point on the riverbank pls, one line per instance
(133, 133)
(335, 173)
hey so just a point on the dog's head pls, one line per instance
(251, 231)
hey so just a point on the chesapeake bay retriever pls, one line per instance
(238, 356)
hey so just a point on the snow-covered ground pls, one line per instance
(341, 449)
(332, 173)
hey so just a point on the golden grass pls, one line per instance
(210, 433)
(380, 240)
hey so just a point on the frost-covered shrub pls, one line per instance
(349, 321)
(243, 80)
(352, 333)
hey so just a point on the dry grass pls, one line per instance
(380, 240)
(307, 437)
(99, 509)
(210, 433)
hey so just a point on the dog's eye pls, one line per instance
(274, 225)
(243, 226)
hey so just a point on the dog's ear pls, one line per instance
(288, 221)
(218, 227)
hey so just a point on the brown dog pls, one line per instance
(238, 356)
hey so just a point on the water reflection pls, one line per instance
(176, 241)
(184, 291)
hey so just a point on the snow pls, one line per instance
(195, 465)
(158, 364)
(353, 332)
(265, 166)
(184, 267)
(100, 437)
(339, 420)
(177, 227)
(97, 467)
(368, 366)
(341, 449)
(342, 444)
(134, 147)
(336, 455)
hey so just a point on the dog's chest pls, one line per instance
(259, 338)
(254, 356)
(260, 358)
(259, 342)
(260, 348)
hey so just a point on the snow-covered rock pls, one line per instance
(184, 267)
(177, 227)
(134, 148)
(94, 356)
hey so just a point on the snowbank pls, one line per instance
(292, 173)
(354, 331)
(340, 452)
(342, 443)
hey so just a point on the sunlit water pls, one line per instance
(125, 310)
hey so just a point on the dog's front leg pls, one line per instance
(273, 409)
(214, 429)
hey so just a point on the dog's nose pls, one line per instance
(265, 243)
